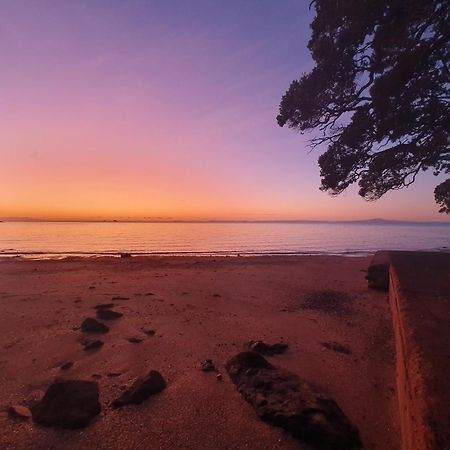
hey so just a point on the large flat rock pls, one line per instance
(284, 400)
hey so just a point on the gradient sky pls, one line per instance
(145, 109)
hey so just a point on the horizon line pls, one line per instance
(374, 220)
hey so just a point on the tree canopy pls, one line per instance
(378, 94)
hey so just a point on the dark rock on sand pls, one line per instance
(68, 404)
(91, 325)
(92, 344)
(66, 366)
(267, 349)
(119, 297)
(208, 366)
(141, 389)
(378, 277)
(149, 332)
(19, 412)
(104, 305)
(336, 347)
(125, 255)
(108, 314)
(282, 399)
(135, 340)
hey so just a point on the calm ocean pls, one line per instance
(58, 239)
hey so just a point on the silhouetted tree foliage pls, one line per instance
(379, 94)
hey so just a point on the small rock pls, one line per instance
(91, 287)
(104, 305)
(108, 314)
(336, 347)
(119, 297)
(148, 294)
(91, 325)
(134, 340)
(219, 377)
(207, 366)
(68, 404)
(149, 332)
(67, 365)
(97, 376)
(267, 349)
(141, 389)
(19, 412)
(125, 255)
(92, 344)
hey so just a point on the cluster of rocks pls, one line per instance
(104, 312)
(74, 404)
(278, 396)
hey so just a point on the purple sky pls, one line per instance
(133, 109)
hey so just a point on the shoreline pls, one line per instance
(61, 256)
(201, 308)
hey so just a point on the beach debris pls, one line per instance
(336, 347)
(104, 305)
(119, 297)
(284, 400)
(92, 344)
(66, 366)
(135, 340)
(19, 412)
(91, 325)
(207, 366)
(108, 314)
(149, 331)
(125, 255)
(68, 404)
(141, 389)
(267, 349)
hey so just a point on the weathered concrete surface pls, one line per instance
(420, 302)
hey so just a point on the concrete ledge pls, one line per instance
(420, 302)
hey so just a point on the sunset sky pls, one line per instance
(163, 109)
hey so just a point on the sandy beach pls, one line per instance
(200, 308)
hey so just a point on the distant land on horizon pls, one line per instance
(375, 221)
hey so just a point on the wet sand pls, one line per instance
(200, 308)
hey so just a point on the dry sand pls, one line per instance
(201, 308)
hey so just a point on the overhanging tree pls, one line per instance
(378, 94)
